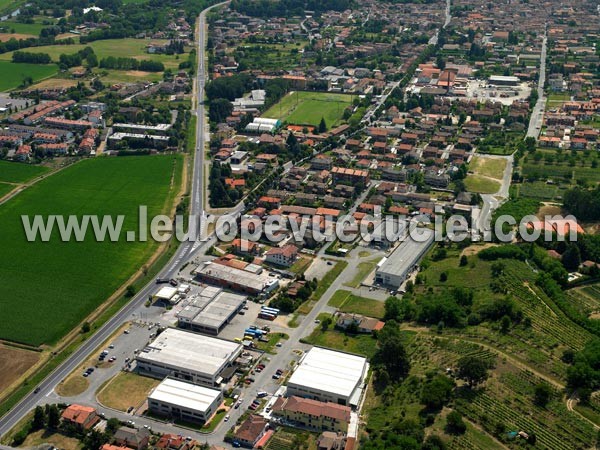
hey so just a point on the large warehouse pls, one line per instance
(236, 279)
(184, 401)
(210, 310)
(329, 376)
(393, 270)
(188, 356)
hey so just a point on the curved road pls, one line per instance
(185, 251)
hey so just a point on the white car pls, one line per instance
(227, 418)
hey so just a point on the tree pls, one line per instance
(322, 126)
(220, 109)
(292, 144)
(433, 442)
(571, 258)
(39, 418)
(505, 323)
(53, 417)
(473, 370)
(85, 328)
(391, 356)
(542, 394)
(325, 323)
(463, 261)
(436, 391)
(455, 423)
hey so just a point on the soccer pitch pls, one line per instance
(307, 108)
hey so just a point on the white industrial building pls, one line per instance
(393, 270)
(329, 376)
(188, 356)
(184, 401)
(263, 124)
(210, 310)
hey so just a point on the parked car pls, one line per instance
(226, 418)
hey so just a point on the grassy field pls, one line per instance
(125, 390)
(272, 56)
(292, 439)
(14, 74)
(364, 269)
(126, 48)
(485, 175)
(32, 29)
(75, 384)
(488, 167)
(360, 344)
(13, 363)
(72, 279)
(5, 189)
(307, 108)
(482, 185)
(58, 440)
(348, 302)
(19, 173)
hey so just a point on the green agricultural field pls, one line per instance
(307, 108)
(23, 28)
(5, 189)
(14, 74)
(488, 167)
(124, 48)
(345, 301)
(19, 173)
(54, 285)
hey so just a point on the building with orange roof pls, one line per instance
(313, 414)
(82, 416)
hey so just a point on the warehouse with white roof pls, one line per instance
(329, 376)
(184, 401)
(188, 356)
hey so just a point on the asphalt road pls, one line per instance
(537, 115)
(185, 251)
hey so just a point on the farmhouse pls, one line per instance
(184, 401)
(188, 356)
(83, 417)
(393, 270)
(330, 376)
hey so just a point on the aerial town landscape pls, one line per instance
(299, 225)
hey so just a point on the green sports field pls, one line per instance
(50, 287)
(14, 74)
(307, 108)
(13, 172)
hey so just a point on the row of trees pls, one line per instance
(32, 58)
(146, 65)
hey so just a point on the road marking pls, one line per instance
(49, 393)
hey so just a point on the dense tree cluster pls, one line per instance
(583, 203)
(146, 65)
(32, 58)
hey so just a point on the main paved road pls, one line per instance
(537, 115)
(185, 251)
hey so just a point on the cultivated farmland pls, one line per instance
(307, 108)
(19, 173)
(14, 74)
(51, 287)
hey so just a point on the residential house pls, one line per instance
(132, 438)
(284, 256)
(313, 414)
(250, 431)
(84, 417)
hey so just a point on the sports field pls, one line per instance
(50, 287)
(14, 74)
(307, 108)
(12, 172)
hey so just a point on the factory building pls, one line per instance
(180, 400)
(329, 376)
(188, 356)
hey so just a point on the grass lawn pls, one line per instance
(125, 48)
(364, 269)
(360, 344)
(57, 440)
(19, 173)
(127, 76)
(346, 301)
(75, 384)
(476, 183)
(301, 265)
(125, 390)
(274, 338)
(14, 74)
(489, 167)
(60, 283)
(307, 108)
